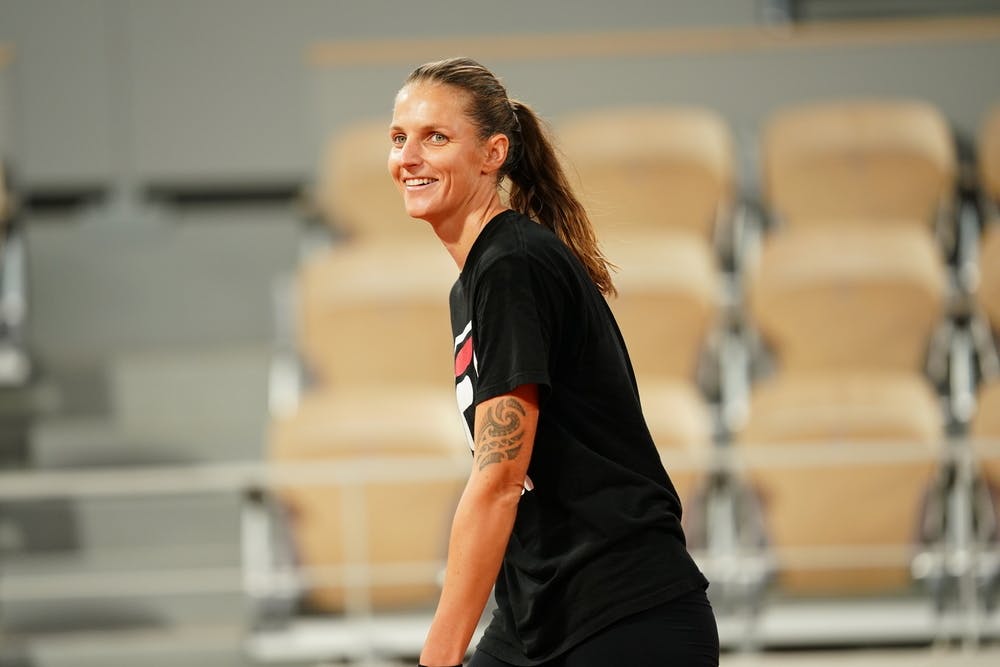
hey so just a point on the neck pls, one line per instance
(459, 233)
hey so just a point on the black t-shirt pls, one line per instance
(598, 534)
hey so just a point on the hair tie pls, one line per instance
(517, 121)
(516, 143)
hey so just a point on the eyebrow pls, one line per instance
(425, 128)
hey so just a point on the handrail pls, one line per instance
(657, 42)
(229, 477)
(239, 476)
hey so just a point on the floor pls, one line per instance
(983, 657)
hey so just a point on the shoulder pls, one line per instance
(519, 240)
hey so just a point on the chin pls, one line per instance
(416, 213)
(419, 211)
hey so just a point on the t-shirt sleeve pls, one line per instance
(513, 329)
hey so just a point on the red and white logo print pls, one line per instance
(465, 370)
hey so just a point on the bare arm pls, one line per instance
(505, 435)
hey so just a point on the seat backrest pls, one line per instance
(838, 406)
(377, 313)
(369, 420)
(668, 298)
(986, 423)
(989, 155)
(872, 160)
(394, 529)
(652, 168)
(985, 429)
(681, 425)
(830, 511)
(354, 191)
(988, 291)
(400, 540)
(848, 298)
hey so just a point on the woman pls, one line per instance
(567, 510)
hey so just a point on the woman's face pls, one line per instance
(437, 159)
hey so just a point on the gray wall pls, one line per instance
(128, 94)
(184, 91)
(189, 89)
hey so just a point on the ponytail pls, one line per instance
(539, 188)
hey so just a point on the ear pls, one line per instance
(496, 153)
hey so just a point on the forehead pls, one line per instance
(430, 102)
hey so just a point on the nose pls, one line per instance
(409, 154)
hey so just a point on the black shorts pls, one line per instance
(681, 632)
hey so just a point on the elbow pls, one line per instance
(497, 493)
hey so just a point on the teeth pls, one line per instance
(419, 181)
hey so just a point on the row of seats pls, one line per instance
(845, 289)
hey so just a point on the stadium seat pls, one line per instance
(862, 491)
(651, 168)
(848, 314)
(377, 313)
(668, 298)
(681, 425)
(354, 192)
(986, 427)
(863, 298)
(393, 527)
(986, 422)
(373, 331)
(988, 292)
(667, 303)
(984, 432)
(872, 161)
(989, 156)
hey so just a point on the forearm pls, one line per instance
(505, 435)
(480, 531)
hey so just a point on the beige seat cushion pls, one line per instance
(681, 425)
(395, 528)
(871, 160)
(880, 435)
(658, 168)
(989, 154)
(854, 297)
(375, 313)
(668, 299)
(988, 294)
(390, 420)
(985, 430)
(837, 406)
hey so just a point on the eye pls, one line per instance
(398, 139)
(438, 138)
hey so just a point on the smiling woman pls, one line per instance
(439, 163)
(568, 510)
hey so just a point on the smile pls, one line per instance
(417, 182)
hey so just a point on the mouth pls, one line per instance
(415, 183)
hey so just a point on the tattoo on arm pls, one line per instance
(501, 433)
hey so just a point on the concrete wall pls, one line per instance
(126, 95)
(190, 89)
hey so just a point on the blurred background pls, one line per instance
(227, 424)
